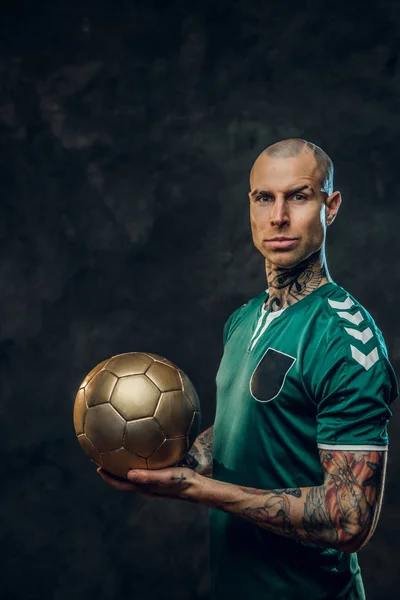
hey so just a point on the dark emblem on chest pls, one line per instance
(270, 374)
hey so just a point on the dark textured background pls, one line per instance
(127, 134)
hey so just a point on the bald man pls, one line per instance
(294, 466)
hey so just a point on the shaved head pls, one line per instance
(293, 147)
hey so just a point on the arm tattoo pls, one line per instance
(341, 513)
(352, 480)
(192, 459)
(200, 456)
(206, 444)
(317, 521)
(255, 492)
(275, 513)
(296, 492)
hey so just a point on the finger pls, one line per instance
(122, 484)
(152, 477)
(116, 482)
(141, 477)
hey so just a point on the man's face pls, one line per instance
(287, 211)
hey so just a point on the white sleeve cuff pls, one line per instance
(352, 447)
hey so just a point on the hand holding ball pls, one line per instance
(136, 411)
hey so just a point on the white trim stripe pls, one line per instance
(348, 303)
(363, 336)
(348, 447)
(260, 320)
(270, 317)
(356, 319)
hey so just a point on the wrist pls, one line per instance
(197, 490)
(210, 492)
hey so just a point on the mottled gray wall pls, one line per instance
(127, 134)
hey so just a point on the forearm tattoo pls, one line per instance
(274, 514)
(317, 522)
(200, 457)
(353, 481)
(339, 513)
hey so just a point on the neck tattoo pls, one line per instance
(287, 286)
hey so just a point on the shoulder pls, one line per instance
(347, 342)
(345, 321)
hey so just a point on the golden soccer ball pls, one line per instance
(136, 411)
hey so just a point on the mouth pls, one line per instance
(280, 242)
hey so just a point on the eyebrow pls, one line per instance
(288, 193)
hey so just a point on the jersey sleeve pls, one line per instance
(353, 385)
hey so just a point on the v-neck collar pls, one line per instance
(265, 317)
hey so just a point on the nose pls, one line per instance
(279, 214)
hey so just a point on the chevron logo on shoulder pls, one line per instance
(365, 360)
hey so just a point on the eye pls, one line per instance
(299, 197)
(263, 199)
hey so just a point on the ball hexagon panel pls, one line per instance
(100, 388)
(93, 372)
(165, 377)
(190, 391)
(194, 429)
(79, 411)
(170, 453)
(90, 450)
(131, 363)
(174, 413)
(121, 461)
(135, 397)
(104, 427)
(143, 437)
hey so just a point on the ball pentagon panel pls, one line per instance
(135, 397)
(143, 437)
(100, 388)
(174, 413)
(79, 411)
(131, 363)
(169, 454)
(121, 461)
(104, 427)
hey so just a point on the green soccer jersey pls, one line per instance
(314, 375)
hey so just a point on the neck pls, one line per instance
(289, 285)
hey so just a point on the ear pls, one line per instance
(332, 204)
